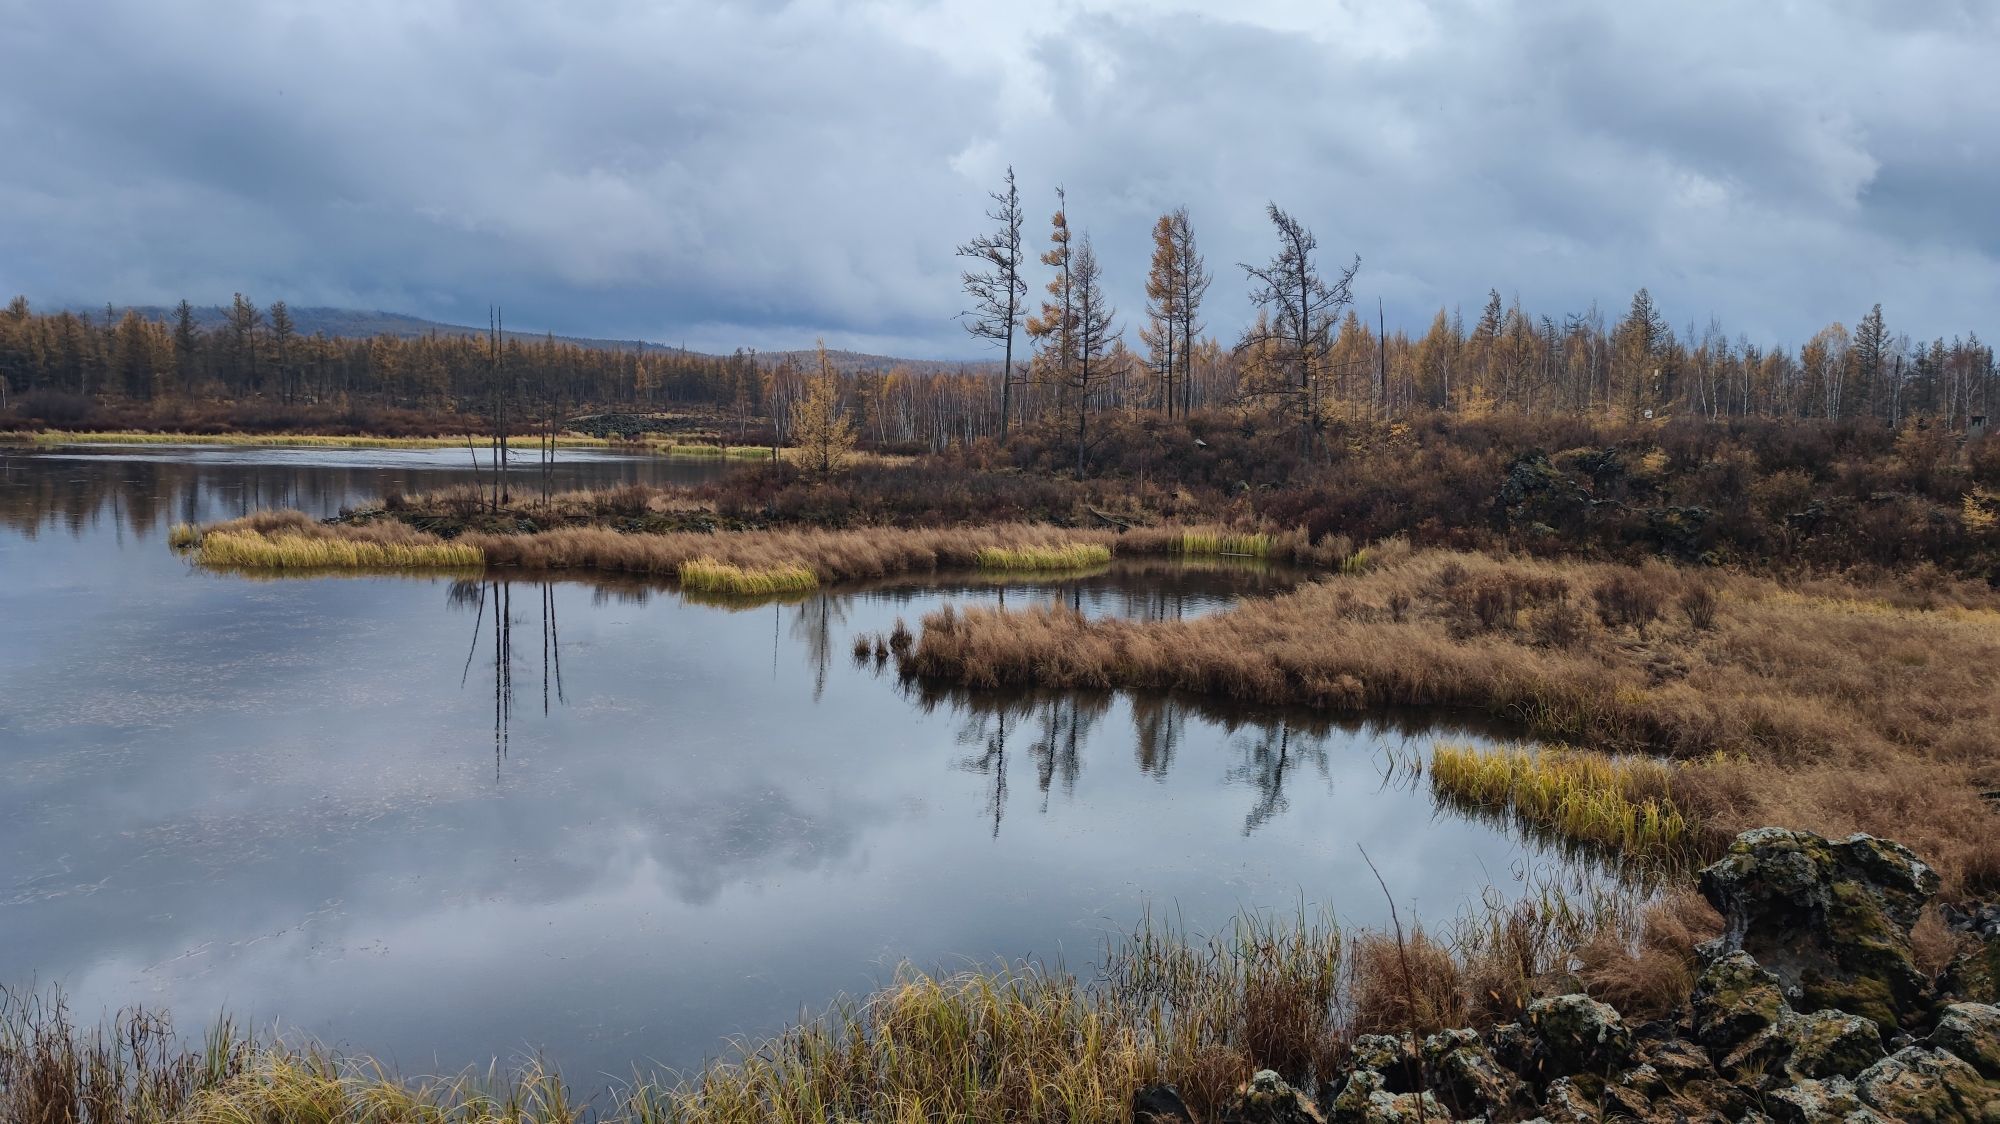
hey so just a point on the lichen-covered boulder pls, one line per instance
(1267, 1099)
(1832, 1101)
(1577, 1034)
(1971, 1032)
(1363, 1100)
(1568, 1102)
(1466, 1076)
(1830, 1044)
(1394, 1057)
(1831, 919)
(1974, 975)
(1917, 1083)
(1734, 1000)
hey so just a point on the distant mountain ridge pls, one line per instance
(354, 323)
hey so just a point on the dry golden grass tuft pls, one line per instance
(291, 541)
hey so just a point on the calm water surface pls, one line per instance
(442, 820)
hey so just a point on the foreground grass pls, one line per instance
(1013, 1042)
(1840, 707)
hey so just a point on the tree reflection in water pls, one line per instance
(464, 593)
(1266, 747)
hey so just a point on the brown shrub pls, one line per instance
(1630, 598)
(1698, 603)
(1649, 975)
(1934, 944)
(1407, 984)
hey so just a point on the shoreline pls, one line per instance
(525, 444)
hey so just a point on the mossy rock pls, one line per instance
(1267, 1099)
(1830, 1044)
(1364, 1100)
(1467, 1078)
(1821, 1102)
(1734, 1000)
(1974, 975)
(1971, 1032)
(1917, 1083)
(1831, 919)
(1568, 1101)
(1577, 1034)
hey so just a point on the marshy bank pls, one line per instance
(1693, 1007)
(748, 561)
(1021, 1041)
(1823, 705)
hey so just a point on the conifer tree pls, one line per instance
(822, 430)
(997, 291)
(1054, 329)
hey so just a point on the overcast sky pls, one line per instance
(758, 173)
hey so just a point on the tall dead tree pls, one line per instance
(1298, 309)
(997, 290)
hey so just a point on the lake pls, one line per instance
(440, 821)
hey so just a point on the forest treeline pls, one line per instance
(1308, 359)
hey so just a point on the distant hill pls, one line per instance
(359, 323)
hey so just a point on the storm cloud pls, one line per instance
(759, 173)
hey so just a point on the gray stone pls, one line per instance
(1831, 919)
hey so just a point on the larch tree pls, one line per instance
(187, 339)
(998, 293)
(1191, 272)
(1161, 331)
(1869, 356)
(282, 333)
(1054, 328)
(1640, 343)
(1176, 281)
(1095, 337)
(822, 431)
(1299, 308)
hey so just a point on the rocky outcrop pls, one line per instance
(1830, 919)
(1809, 1010)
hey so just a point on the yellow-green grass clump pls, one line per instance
(1053, 556)
(1253, 544)
(184, 536)
(706, 575)
(1620, 802)
(291, 551)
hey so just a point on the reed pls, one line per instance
(305, 552)
(183, 536)
(1619, 802)
(706, 575)
(1243, 544)
(1052, 556)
